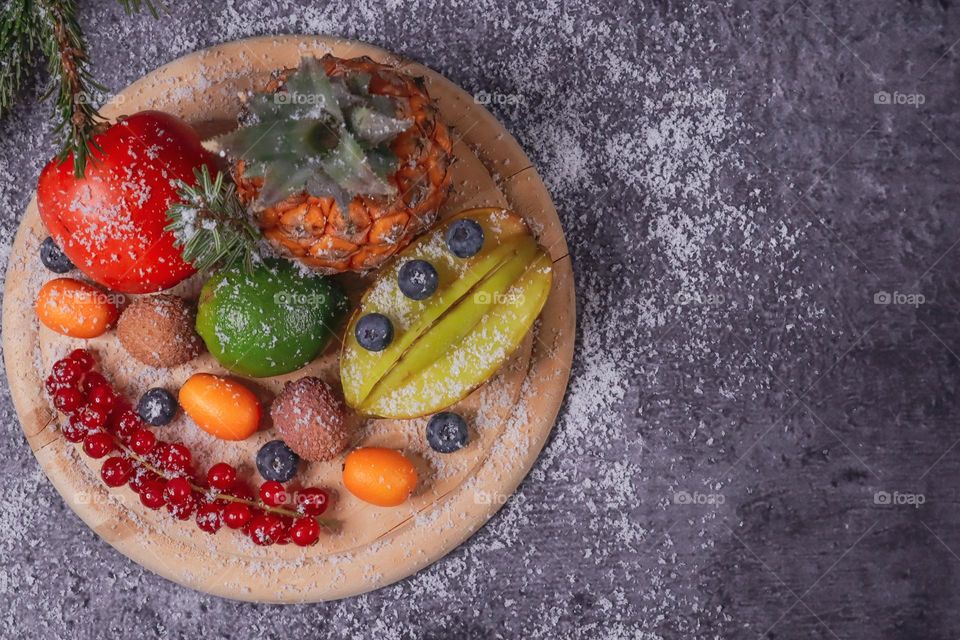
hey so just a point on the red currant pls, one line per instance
(312, 501)
(127, 424)
(92, 418)
(175, 457)
(116, 471)
(221, 476)
(210, 517)
(236, 515)
(98, 444)
(120, 407)
(273, 493)
(83, 358)
(143, 477)
(183, 510)
(92, 380)
(151, 494)
(67, 400)
(265, 529)
(143, 441)
(283, 535)
(242, 490)
(178, 491)
(53, 385)
(305, 532)
(102, 398)
(74, 431)
(67, 370)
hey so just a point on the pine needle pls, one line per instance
(134, 6)
(210, 224)
(20, 36)
(71, 82)
(51, 27)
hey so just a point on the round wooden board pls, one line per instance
(511, 415)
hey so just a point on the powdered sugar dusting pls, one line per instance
(662, 213)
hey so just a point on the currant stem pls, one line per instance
(327, 523)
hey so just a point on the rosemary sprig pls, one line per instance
(211, 225)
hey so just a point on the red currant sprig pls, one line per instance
(159, 471)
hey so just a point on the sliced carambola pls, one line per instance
(458, 370)
(447, 332)
(360, 369)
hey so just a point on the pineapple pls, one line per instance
(343, 162)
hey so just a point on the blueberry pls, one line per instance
(157, 407)
(447, 432)
(53, 258)
(464, 238)
(276, 461)
(374, 332)
(417, 279)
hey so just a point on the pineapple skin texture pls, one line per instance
(314, 231)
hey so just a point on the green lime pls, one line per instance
(268, 322)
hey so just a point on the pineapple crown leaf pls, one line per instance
(327, 136)
(210, 225)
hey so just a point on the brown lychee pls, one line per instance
(159, 331)
(311, 418)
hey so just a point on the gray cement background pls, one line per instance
(749, 427)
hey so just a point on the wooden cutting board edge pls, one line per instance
(411, 546)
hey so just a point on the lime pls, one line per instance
(268, 322)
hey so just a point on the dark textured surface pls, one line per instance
(735, 198)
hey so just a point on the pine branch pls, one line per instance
(72, 83)
(20, 36)
(134, 6)
(51, 26)
(211, 225)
